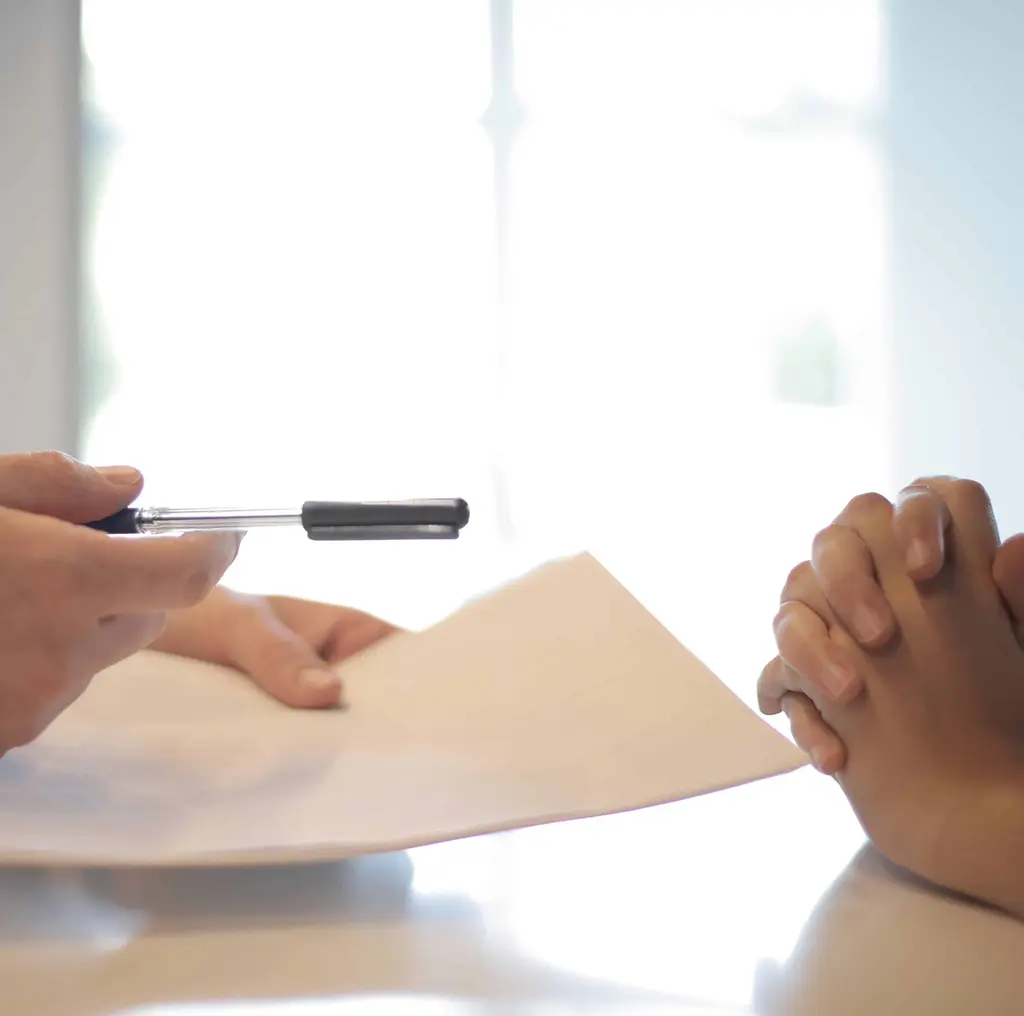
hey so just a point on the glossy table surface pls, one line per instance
(756, 900)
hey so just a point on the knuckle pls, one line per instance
(915, 494)
(54, 462)
(970, 495)
(770, 688)
(917, 514)
(939, 480)
(782, 617)
(798, 578)
(842, 572)
(791, 636)
(198, 584)
(802, 593)
(61, 471)
(867, 506)
(824, 537)
(766, 677)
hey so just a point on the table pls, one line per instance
(756, 900)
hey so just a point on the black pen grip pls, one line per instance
(122, 523)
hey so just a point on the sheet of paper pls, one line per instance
(556, 697)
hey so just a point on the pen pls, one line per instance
(322, 520)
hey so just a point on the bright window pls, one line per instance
(636, 307)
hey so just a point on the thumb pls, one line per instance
(284, 664)
(1008, 573)
(50, 483)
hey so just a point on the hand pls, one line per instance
(50, 483)
(286, 646)
(73, 601)
(808, 665)
(936, 738)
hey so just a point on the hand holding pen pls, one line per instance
(73, 602)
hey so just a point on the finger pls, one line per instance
(802, 586)
(973, 528)
(49, 483)
(845, 570)
(776, 681)
(337, 633)
(821, 667)
(354, 634)
(1008, 573)
(773, 684)
(920, 517)
(119, 636)
(281, 662)
(154, 572)
(814, 735)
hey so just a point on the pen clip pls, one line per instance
(385, 520)
(428, 532)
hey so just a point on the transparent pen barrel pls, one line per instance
(176, 520)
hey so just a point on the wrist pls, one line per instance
(1001, 847)
(980, 849)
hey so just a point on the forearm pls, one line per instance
(977, 846)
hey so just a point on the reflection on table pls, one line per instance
(758, 900)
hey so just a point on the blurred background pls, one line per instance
(669, 280)
(664, 279)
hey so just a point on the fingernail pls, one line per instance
(322, 682)
(818, 760)
(918, 555)
(867, 625)
(120, 476)
(837, 679)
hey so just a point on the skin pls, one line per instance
(74, 601)
(935, 735)
(809, 667)
(286, 646)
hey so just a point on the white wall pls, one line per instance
(956, 272)
(39, 127)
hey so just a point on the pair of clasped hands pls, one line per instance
(74, 601)
(901, 671)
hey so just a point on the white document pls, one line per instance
(556, 697)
